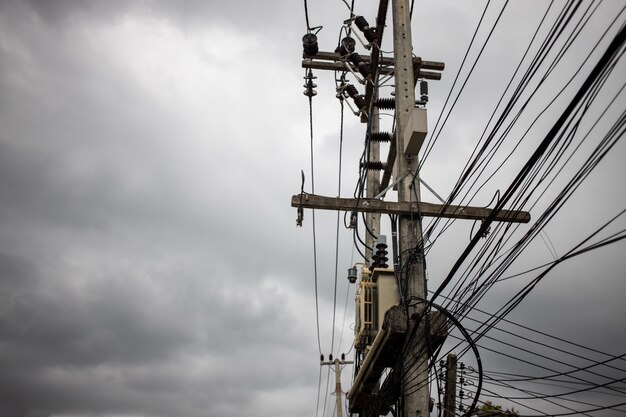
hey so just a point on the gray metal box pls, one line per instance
(415, 131)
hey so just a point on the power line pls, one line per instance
(317, 312)
(332, 344)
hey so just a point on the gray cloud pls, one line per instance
(149, 260)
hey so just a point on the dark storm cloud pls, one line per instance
(73, 348)
(256, 16)
(149, 260)
(123, 285)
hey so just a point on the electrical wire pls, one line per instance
(317, 313)
(332, 343)
(614, 46)
(495, 256)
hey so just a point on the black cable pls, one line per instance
(319, 389)
(612, 49)
(466, 78)
(500, 141)
(469, 47)
(537, 227)
(317, 313)
(306, 16)
(472, 344)
(332, 343)
(540, 56)
(610, 407)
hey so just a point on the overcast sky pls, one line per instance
(149, 259)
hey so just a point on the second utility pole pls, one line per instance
(414, 386)
(338, 363)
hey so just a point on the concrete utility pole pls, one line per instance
(389, 344)
(338, 391)
(414, 386)
(449, 399)
(373, 184)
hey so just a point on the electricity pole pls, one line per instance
(338, 391)
(372, 220)
(449, 400)
(414, 385)
(396, 343)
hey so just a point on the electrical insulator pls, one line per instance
(379, 259)
(424, 90)
(309, 44)
(330, 357)
(321, 358)
(380, 137)
(360, 64)
(343, 356)
(346, 47)
(373, 165)
(369, 32)
(352, 275)
(309, 85)
(386, 103)
(354, 94)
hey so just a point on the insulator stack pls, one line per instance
(424, 90)
(360, 64)
(389, 103)
(354, 94)
(309, 85)
(351, 90)
(379, 259)
(346, 47)
(309, 44)
(380, 137)
(374, 165)
(369, 32)
(386, 103)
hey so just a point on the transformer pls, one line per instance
(376, 293)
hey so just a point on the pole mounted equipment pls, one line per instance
(309, 44)
(346, 46)
(309, 85)
(300, 217)
(369, 32)
(352, 277)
